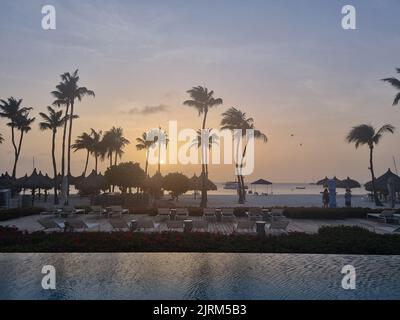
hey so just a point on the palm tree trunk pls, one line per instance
(63, 142)
(18, 153)
(237, 164)
(147, 161)
(116, 158)
(15, 151)
(371, 167)
(159, 156)
(241, 174)
(204, 200)
(53, 155)
(87, 162)
(69, 144)
(95, 161)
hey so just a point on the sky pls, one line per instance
(288, 64)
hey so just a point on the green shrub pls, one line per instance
(329, 240)
(328, 213)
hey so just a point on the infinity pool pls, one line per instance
(198, 276)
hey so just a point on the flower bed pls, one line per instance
(329, 240)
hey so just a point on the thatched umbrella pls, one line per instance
(211, 186)
(45, 183)
(348, 184)
(381, 183)
(72, 181)
(92, 184)
(6, 181)
(324, 182)
(32, 182)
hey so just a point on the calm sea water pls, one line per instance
(198, 276)
(286, 188)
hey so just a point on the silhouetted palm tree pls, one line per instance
(144, 143)
(206, 134)
(113, 144)
(234, 119)
(365, 134)
(18, 116)
(61, 96)
(96, 146)
(84, 142)
(161, 138)
(202, 100)
(72, 93)
(52, 121)
(395, 83)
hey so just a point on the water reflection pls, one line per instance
(198, 276)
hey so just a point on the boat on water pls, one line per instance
(233, 185)
(301, 188)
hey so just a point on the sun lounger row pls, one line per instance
(68, 211)
(71, 224)
(246, 226)
(227, 214)
(209, 214)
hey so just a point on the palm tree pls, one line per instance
(234, 119)
(212, 139)
(202, 100)
(96, 146)
(160, 138)
(395, 83)
(113, 143)
(61, 96)
(143, 143)
(72, 92)
(12, 110)
(365, 134)
(52, 121)
(23, 124)
(84, 142)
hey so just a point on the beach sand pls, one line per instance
(276, 200)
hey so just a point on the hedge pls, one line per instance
(329, 240)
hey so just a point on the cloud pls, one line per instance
(149, 109)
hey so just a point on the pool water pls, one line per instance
(198, 276)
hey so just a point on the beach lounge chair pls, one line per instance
(119, 224)
(200, 225)
(209, 215)
(227, 215)
(147, 225)
(181, 214)
(245, 227)
(74, 224)
(385, 216)
(163, 214)
(278, 227)
(97, 210)
(48, 224)
(255, 214)
(117, 211)
(175, 225)
(276, 214)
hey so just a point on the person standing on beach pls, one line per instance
(347, 198)
(325, 198)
